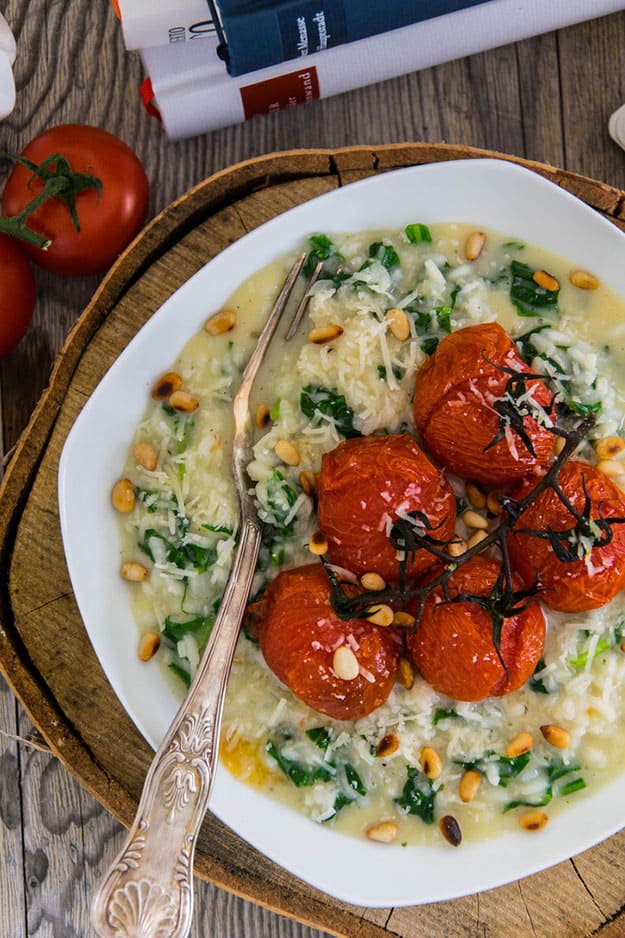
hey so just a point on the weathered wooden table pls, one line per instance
(545, 99)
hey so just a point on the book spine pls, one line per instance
(148, 23)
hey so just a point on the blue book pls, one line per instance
(258, 33)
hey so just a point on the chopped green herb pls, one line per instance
(430, 345)
(418, 233)
(200, 627)
(511, 766)
(583, 410)
(169, 410)
(443, 318)
(322, 250)
(417, 796)
(280, 499)
(354, 780)
(441, 714)
(182, 673)
(317, 402)
(181, 554)
(385, 254)
(527, 296)
(274, 413)
(301, 775)
(321, 736)
(554, 773)
(219, 529)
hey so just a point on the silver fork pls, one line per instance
(148, 891)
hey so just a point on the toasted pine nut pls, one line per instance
(474, 245)
(403, 620)
(261, 416)
(456, 548)
(317, 544)
(493, 503)
(520, 744)
(545, 280)
(123, 496)
(431, 763)
(145, 454)
(583, 280)
(476, 538)
(398, 323)
(307, 481)
(450, 829)
(166, 385)
(381, 615)
(223, 321)
(325, 334)
(610, 467)
(287, 452)
(474, 519)
(133, 571)
(387, 745)
(556, 736)
(149, 645)
(609, 446)
(533, 820)
(558, 445)
(405, 671)
(183, 401)
(384, 833)
(372, 581)
(345, 663)
(469, 784)
(475, 495)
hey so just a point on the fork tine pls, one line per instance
(303, 303)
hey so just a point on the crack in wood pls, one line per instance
(587, 888)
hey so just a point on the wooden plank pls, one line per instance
(12, 899)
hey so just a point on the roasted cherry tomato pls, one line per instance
(17, 294)
(453, 646)
(462, 404)
(108, 220)
(299, 634)
(364, 485)
(589, 576)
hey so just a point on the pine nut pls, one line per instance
(383, 833)
(450, 829)
(223, 321)
(287, 452)
(475, 495)
(318, 544)
(431, 763)
(456, 548)
(469, 785)
(558, 445)
(473, 519)
(183, 401)
(403, 620)
(583, 280)
(476, 538)
(372, 582)
(611, 468)
(123, 496)
(133, 571)
(307, 481)
(609, 446)
(533, 820)
(474, 245)
(324, 334)
(405, 671)
(387, 745)
(381, 615)
(398, 323)
(145, 454)
(556, 736)
(149, 645)
(493, 503)
(545, 280)
(166, 385)
(262, 416)
(345, 664)
(520, 744)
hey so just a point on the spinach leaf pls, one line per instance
(529, 298)
(322, 250)
(536, 682)
(417, 796)
(317, 402)
(301, 775)
(354, 780)
(417, 233)
(200, 627)
(321, 736)
(554, 773)
(182, 673)
(441, 714)
(385, 254)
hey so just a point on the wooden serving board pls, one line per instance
(44, 650)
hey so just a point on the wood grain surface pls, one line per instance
(546, 99)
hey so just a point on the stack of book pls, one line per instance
(211, 63)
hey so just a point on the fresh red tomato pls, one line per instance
(598, 574)
(455, 395)
(108, 222)
(364, 485)
(453, 646)
(17, 294)
(299, 634)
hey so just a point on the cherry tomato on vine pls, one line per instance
(593, 575)
(457, 395)
(299, 634)
(17, 294)
(109, 217)
(453, 646)
(364, 485)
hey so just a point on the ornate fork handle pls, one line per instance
(148, 891)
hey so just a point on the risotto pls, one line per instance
(426, 762)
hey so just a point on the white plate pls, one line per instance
(490, 193)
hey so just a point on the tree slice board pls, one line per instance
(44, 650)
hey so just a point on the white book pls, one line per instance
(194, 93)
